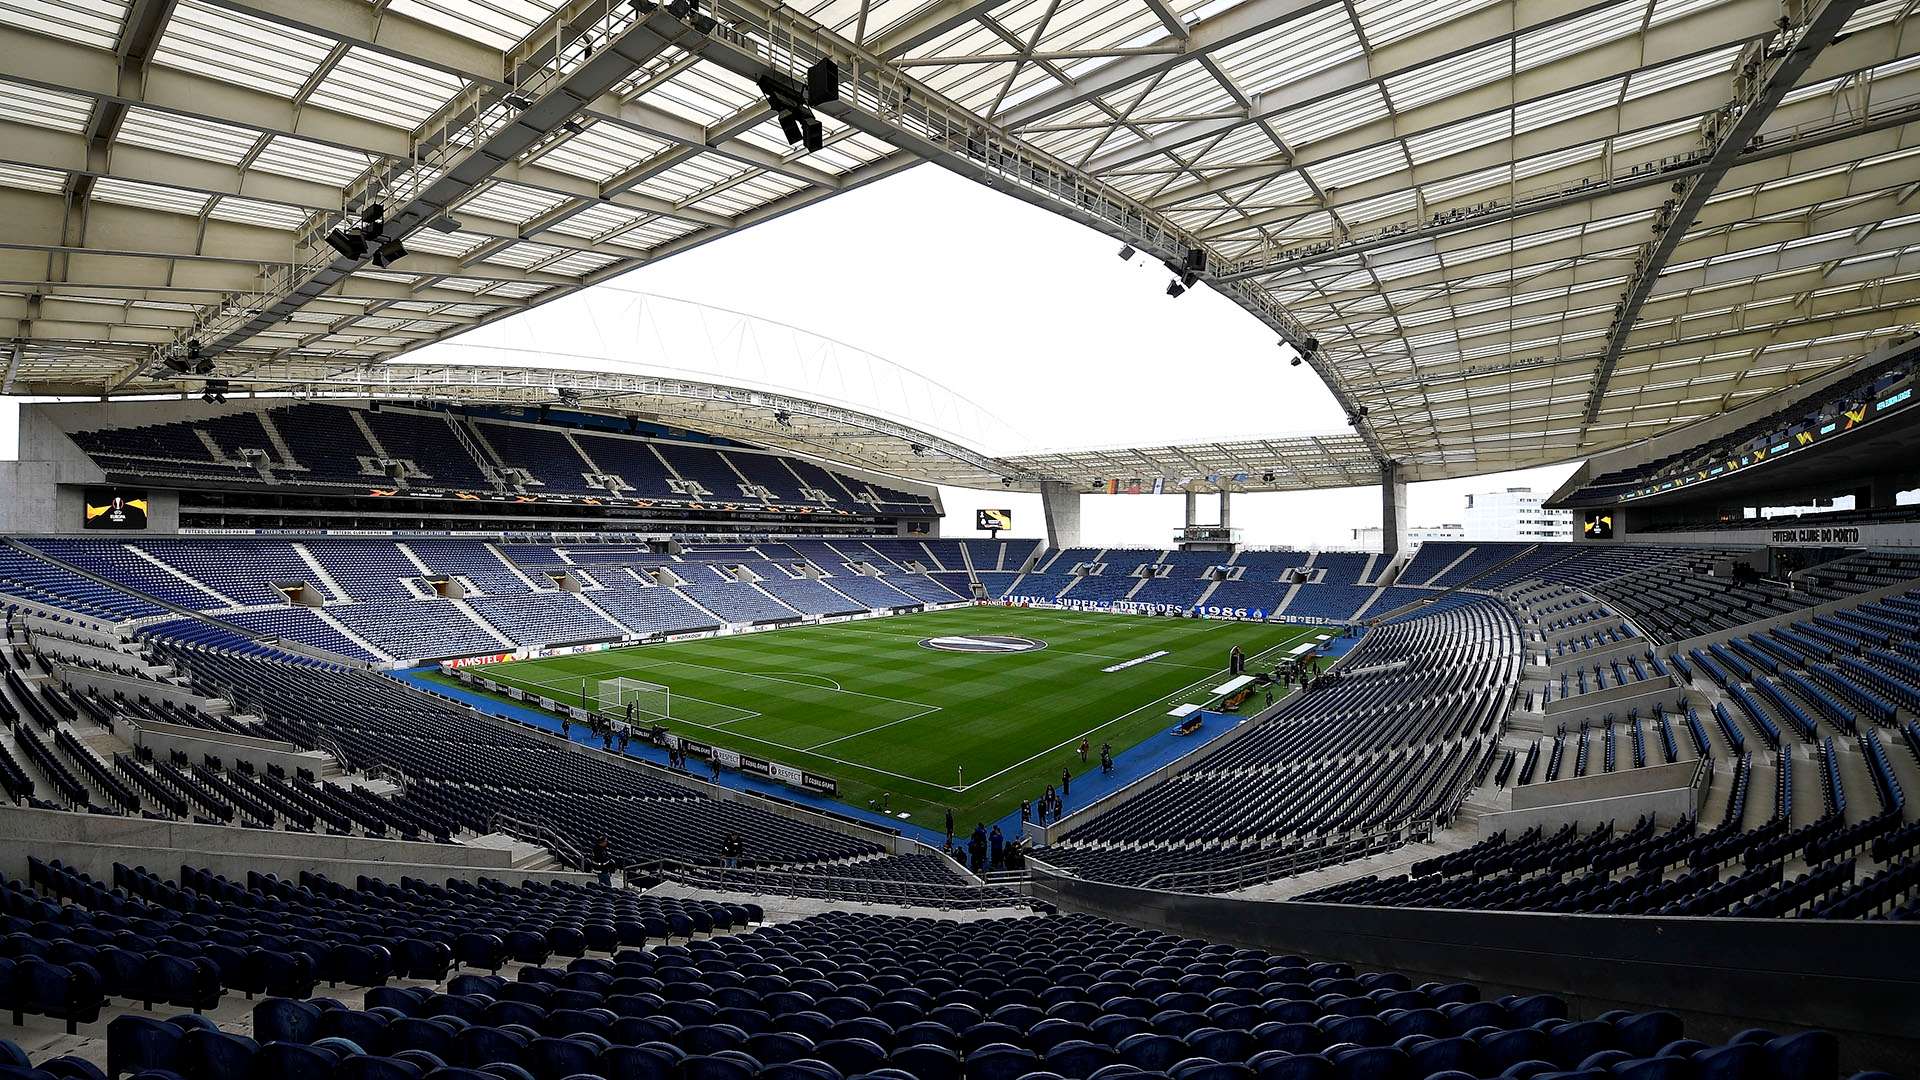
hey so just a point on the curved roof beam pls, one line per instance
(1765, 79)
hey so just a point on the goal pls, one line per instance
(650, 701)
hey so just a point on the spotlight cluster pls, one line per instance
(367, 233)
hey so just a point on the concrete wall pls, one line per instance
(196, 744)
(1858, 979)
(1666, 807)
(57, 649)
(1574, 789)
(94, 842)
(1616, 701)
(31, 505)
(46, 486)
(37, 624)
(108, 683)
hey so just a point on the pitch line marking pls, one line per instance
(934, 785)
(628, 666)
(745, 714)
(1054, 649)
(1069, 741)
(871, 730)
(830, 684)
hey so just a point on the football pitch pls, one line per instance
(970, 708)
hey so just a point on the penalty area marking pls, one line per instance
(827, 683)
(572, 691)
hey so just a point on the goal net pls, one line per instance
(650, 701)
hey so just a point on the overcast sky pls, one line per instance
(1038, 320)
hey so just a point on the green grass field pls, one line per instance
(866, 703)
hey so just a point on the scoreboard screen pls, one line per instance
(993, 520)
(1598, 525)
(115, 508)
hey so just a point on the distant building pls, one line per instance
(1510, 514)
(1368, 538)
(1515, 514)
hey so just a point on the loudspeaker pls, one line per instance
(823, 82)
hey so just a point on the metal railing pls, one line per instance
(536, 833)
(391, 773)
(330, 745)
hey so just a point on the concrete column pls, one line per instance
(1393, 509)
(1193, 508)
(1886, 490)
(1061, 503)
(1226, 509)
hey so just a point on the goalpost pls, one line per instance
(650, 701)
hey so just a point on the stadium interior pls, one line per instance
(379, 711)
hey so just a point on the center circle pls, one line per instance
(982, 643)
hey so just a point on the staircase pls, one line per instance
(144, 554)
(717, 617)
(466, 609)
(516, 571)
(320, 572)
(366, 430)
(282, 453)
(761, 589)
(407, 553)
(744, 483)
(491, 463)
(933, 560)
(603, 612)
(1445, 570)
(341, 628)
(1361, 611)
(1293, 590)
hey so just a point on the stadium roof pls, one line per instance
(1505, 232)
(1279, 464)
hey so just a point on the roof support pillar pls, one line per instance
(1193, 509)
(1060, 501)
(1393, 509)
(1226, 509)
